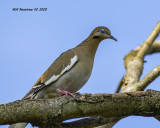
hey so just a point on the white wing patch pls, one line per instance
(69, 66)
(39, 85)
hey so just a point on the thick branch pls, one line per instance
(53, 111)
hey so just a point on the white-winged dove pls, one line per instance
(71, 70)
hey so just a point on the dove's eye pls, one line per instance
(102, 31)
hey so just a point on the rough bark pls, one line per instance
(52, 112)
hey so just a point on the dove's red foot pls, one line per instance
(67, 93)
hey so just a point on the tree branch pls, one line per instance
(91, 122)
(155, 47)
(148, 43)
(134, 62)
(53, 111)
(141, 85)
(119, 85)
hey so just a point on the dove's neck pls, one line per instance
(89, 47)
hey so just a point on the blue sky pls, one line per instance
(31, 41)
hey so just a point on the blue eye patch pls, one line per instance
(102, 31)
